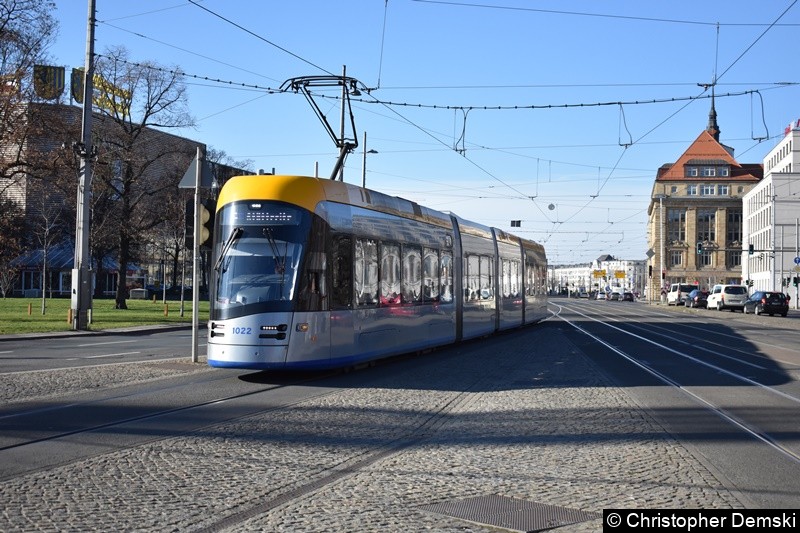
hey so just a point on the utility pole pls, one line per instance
(81, 304)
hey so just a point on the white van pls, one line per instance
(727, 297)
(678, 292)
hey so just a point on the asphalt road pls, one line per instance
(724, 383)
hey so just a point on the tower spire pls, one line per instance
(713, 127)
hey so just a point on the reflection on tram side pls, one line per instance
(311, 273)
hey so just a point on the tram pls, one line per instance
(310, 273)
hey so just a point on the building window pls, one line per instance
(734, 227)
(691, 171)
(722, 190)
(724, 171)
(705, 259)
(709, 171)
(733, 258)
(676, 225)
(691, 190)
(676, 258)
(706, 225)
(707, 190)
(673, 189)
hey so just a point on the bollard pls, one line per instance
(30, 309)
(69, 316)
(166, 309)
(154, 298)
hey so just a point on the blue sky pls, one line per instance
(475, 106)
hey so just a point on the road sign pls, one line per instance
(797, 260)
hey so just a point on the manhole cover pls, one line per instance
(511, 513)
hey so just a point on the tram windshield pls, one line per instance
(256, 258)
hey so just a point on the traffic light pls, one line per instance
(699, 248)
(750, 249)
(207, 212)
(650, 267)
(795, 280)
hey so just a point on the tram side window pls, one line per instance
(390, 290)
(505, 278)
(342, 273)
(365, 272)
(542, 288)
(472, 278)
(446, 276)
(412, 274)
(530, 288)
(510, 278)
(430, 275)
(516, 279)
(486, 276)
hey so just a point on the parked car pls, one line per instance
(772, 303)
(727, 297)
(697, 298)
(614, 296)
(678, 292)
(627, 296)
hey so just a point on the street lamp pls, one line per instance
(364, 162)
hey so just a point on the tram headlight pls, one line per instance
(302, 328)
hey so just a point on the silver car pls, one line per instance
(727, 297)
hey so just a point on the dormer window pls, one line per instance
(707, 168)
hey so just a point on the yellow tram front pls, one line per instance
(267, 275)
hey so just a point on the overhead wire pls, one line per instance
(585, 14)
(259, 37)
(388, 105)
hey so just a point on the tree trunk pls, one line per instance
(122, 273)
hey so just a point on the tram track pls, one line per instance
(28, 429)
(351, 465)
(263, 400)
(682, 380)
(674, 336)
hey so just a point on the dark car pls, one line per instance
(772, 303)
(627, 296)
(697, 298)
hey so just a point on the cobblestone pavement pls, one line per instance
(533, 420)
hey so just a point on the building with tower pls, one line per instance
(695, 229)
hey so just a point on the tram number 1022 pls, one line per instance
(242, 331)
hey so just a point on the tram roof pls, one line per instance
(308, 192)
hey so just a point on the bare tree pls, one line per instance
(27, 29)
(142, 166)
(46, 227)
